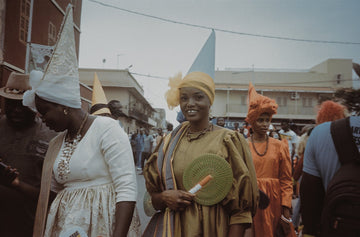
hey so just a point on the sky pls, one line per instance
(161, 48)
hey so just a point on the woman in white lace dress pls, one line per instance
(89, 165)
(93, 173)
(89, 170)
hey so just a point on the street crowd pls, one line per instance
(67, 172)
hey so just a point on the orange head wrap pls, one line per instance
(330, 111)
(259, 104)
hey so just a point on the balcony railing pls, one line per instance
(138, 115)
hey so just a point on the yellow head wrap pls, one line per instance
(259, 104)
(198, 80)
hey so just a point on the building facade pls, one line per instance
(297, 92)
(121, 85)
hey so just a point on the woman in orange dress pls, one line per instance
(273, 169)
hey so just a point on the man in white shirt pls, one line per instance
(290, 135)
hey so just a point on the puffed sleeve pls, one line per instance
(242, 200)
(151, 175)
(285, 179)
(117, 152)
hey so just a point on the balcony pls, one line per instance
(138, 115)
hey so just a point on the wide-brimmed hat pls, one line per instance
(16, 86)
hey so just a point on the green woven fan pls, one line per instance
(147, 204)
(217, 188)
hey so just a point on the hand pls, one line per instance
(9, 176)
(286, 226)
(286, 212)
(177, 200)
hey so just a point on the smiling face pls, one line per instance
(52, 114)
(261, 125)
(195, 105)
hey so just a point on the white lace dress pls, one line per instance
(101, 174)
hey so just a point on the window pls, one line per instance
(51, 34)
(281, 101)
(243, 100)
(307, 102)
(24, 20)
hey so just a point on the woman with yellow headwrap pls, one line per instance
(194, 137)
(273, 169)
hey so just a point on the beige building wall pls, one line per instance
(297, 92)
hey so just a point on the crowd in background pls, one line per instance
(76, 176)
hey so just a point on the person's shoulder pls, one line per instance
(227, 134)
(222, 130)
(102, 123)
(278, 143)
(275, 141)
(355, 121)
(320, 135)
(103, 120)
(321, 129)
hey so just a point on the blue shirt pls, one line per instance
(320, 158)
(147, 143)
(140, 142)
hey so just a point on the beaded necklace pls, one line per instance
(196, 135)
(266, 148)
(67, 151)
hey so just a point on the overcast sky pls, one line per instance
(161, 49)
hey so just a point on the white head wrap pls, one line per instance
(60, 83)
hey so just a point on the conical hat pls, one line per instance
(60, 82)
(200, 75)
(99, 98)
(205, 60)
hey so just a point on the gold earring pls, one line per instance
(65, 112)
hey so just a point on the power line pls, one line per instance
(304, 82)
(226, 31)
(148, 75)
(264, 82)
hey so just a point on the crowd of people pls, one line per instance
(66, 171)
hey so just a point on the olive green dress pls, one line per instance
(239, 204)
